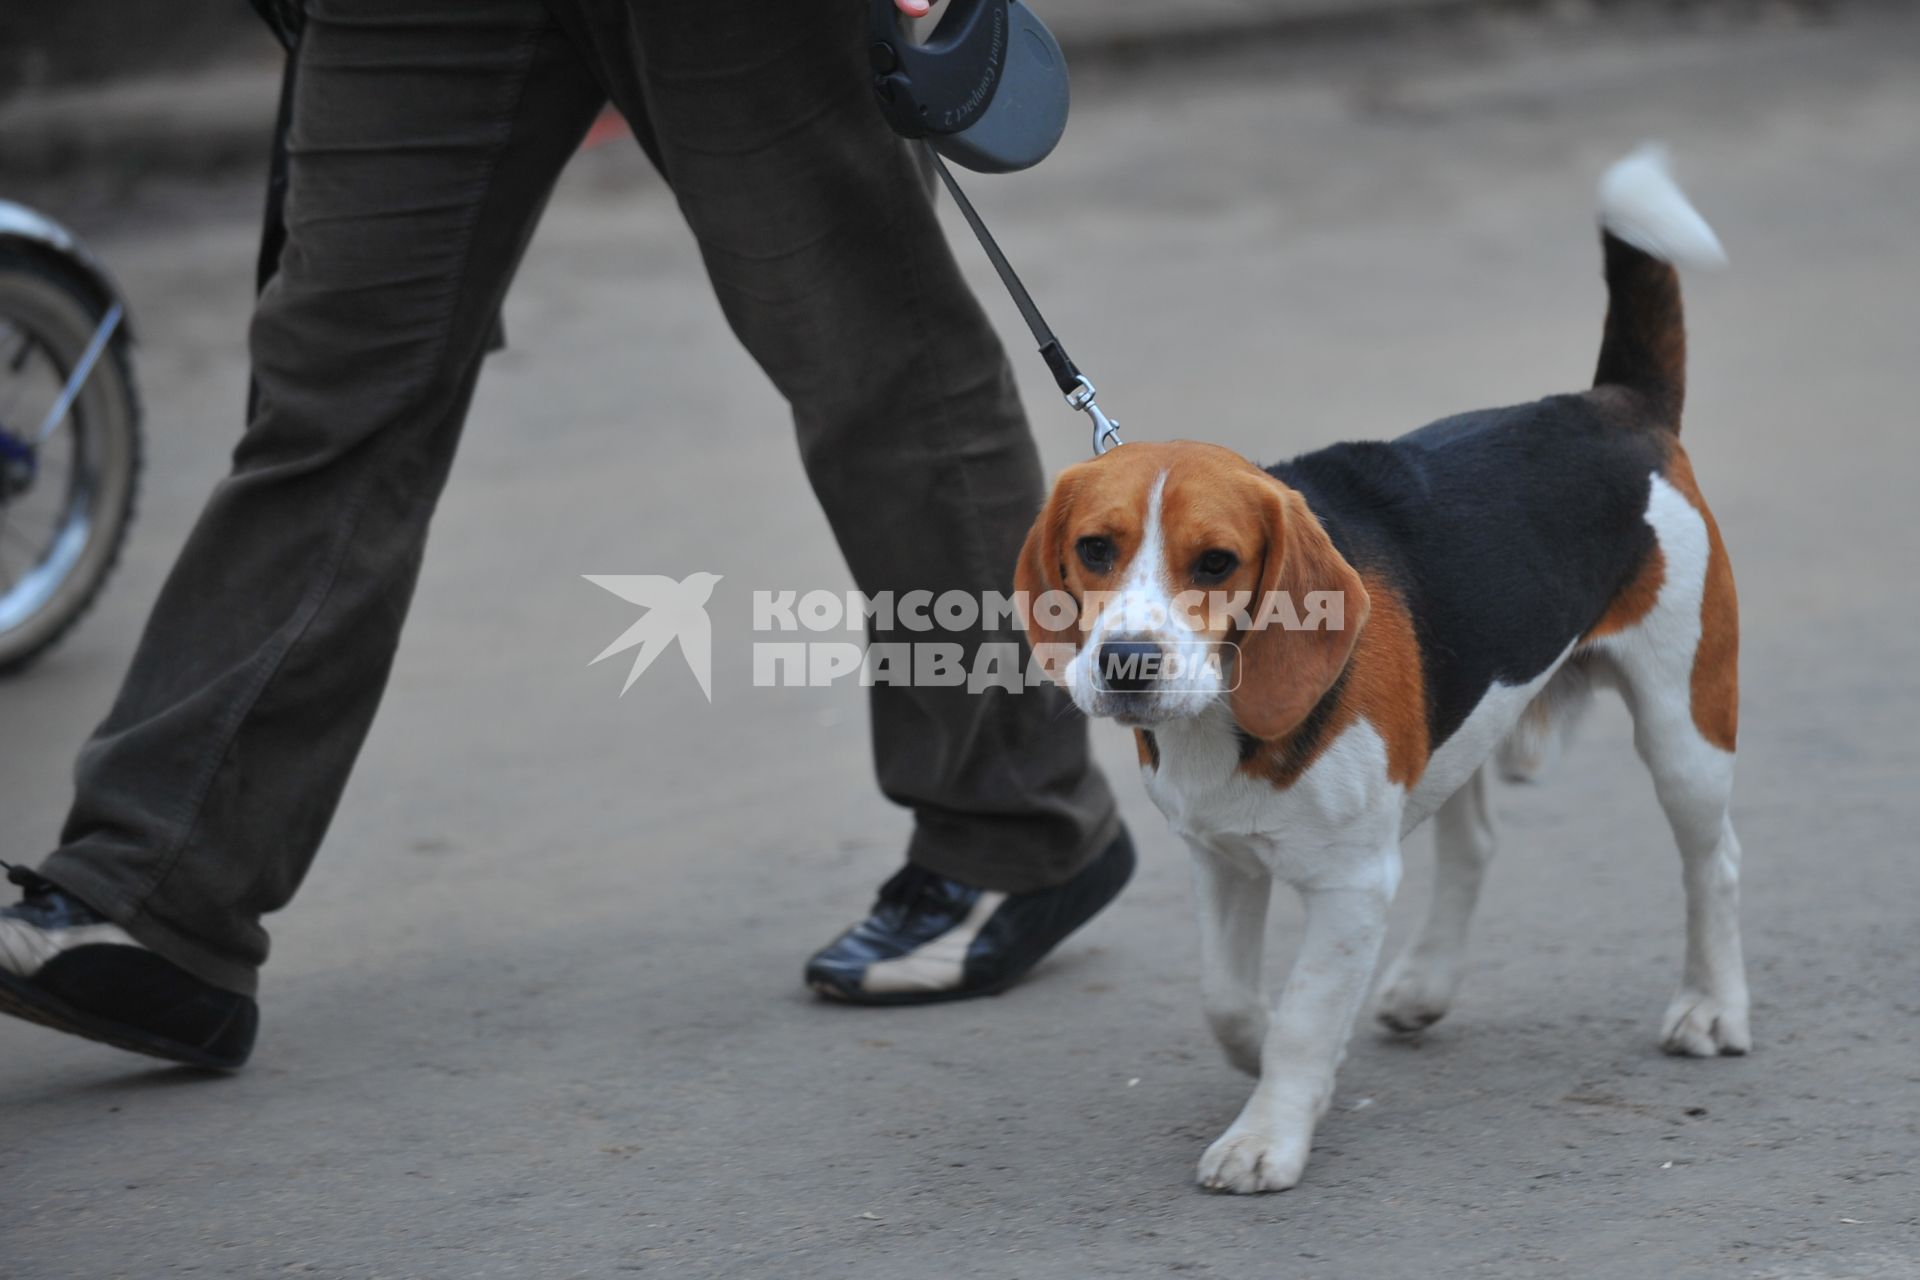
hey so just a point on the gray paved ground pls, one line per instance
(536, 1014)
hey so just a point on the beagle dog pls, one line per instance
(1318, 656)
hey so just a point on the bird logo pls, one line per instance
(674, 611)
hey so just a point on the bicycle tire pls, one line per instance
(55, 304)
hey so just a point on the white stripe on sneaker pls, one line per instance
(938, 965)
(25, 948)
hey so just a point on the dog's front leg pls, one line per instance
(1419, 986)
(1231, 897)
(1266, 1148)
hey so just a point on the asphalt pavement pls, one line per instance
(537, 1012)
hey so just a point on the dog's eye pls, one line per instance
(1096, 553)
(1215, 565)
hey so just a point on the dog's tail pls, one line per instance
(1646, 229)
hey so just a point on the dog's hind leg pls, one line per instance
(1694, 780)
(1679, 672)
(1420, 985)
(1232, 903)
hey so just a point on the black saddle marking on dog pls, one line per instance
(1508, 532)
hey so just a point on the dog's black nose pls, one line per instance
(1128, 666)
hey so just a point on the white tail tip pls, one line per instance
(1641, 203)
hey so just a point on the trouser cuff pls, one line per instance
(73, 875)
(1007, 859)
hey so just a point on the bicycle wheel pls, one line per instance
(66, 500)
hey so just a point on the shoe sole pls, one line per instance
(840, 995)
(25, 1001)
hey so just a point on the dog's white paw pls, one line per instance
(1243, 1161)
(1417, 993)
(1699, 1025)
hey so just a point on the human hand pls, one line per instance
(913, 8)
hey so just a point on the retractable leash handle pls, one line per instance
(989, 92)
(989, 87)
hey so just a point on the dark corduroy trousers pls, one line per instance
(425, 138)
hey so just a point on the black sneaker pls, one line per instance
(65, 966)
(932, 939)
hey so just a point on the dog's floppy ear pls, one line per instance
(1285, 670)
(1042, 569)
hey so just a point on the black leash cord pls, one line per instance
(1073, 384)
(1065, 375)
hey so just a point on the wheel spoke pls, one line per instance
(17, 380)
(25, 349)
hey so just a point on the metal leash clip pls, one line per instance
(1106, 431)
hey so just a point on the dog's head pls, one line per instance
(1164, 579)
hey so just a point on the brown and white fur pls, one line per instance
(1492, 568)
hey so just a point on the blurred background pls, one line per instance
(538, 1013)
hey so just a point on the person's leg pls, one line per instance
(819, 234)
(423, 147)
(820, 237)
